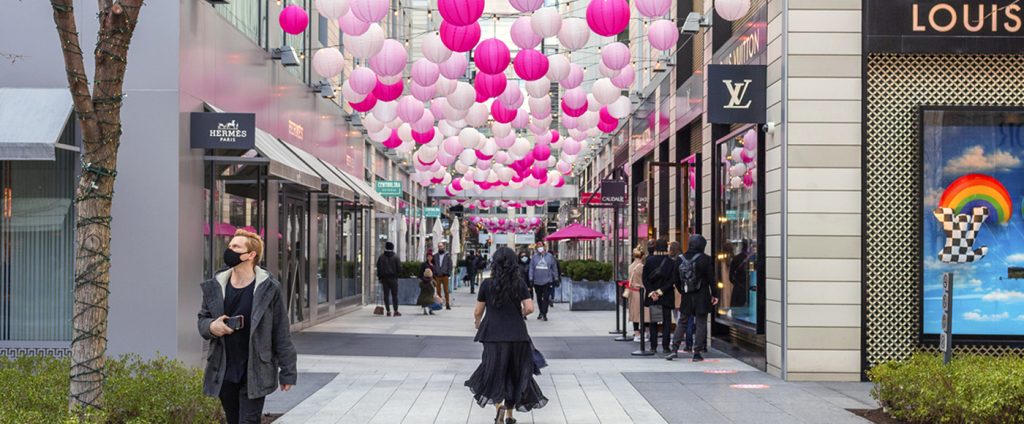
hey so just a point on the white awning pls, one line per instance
(335, 185)
(283, 163)
(360, 186)
(31, 122)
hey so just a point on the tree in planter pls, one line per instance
(99, 115)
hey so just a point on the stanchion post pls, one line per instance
(643, 327)
(615, 270)
(622, 307)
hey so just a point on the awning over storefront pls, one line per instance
(360, 186)
(31, 122)
(283, 163)
(335, 185)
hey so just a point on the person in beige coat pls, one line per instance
(632, 291)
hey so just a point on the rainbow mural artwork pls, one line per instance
(973, 190)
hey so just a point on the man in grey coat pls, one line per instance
(543, 277)
(443, 271)
(243, 315)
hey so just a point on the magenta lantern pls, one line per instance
(653, 8)
(460, 12)
(393, 140)
(539, 173)
(542, 152)
(366, 105)
(575, 98)
(607, 126)
(480, 97)
(491, 56)
(663, 35)
(460, 38)
(489, 85)
(293, 19)
(387, 93)
(480, 155)
(555, 137)
(608, 17)
(501, 113)
(606, 116)
(530, 64)
(423, 137)
(575, 113)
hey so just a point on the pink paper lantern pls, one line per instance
(574, 78)
(455, 67)
(293, 19)
(521, 119)
(370, 10)
(366, 105)
(387, 93)
(362, 80)
(489, 86)
(663, 35)
(539, 173)
(410, 109)
(526, 6)
(491, 56)
(523, 35)
(425, 123)
(425, 72)
(607, 126)
(541, 152)
(460, 38)
(615, 56)
(530, 64)
(575, 98)
(750, 140)
(393, 140)
(460, 12)
(502, 114)
(745, 156)
(571, 147)
(511, 98)
(391, 59)
(575, 113)
(564, 168)
(606, 116)
(653, 8)
(608, 17)
(625, 78)
(422, 93)
(351, 25)
(555, 136)
(423, 137)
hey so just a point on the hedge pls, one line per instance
(161, 390)
(971, 389)
(589, 270)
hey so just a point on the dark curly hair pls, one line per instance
(506, 281)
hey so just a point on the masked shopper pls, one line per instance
(695, 283)
(543, 277)
(243, 315)
(659, 275)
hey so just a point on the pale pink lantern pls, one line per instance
(489, 85)
(328, 62)
(523, 35)
(460, 12)
(351, 25)
(362, 80)
(530, 64)
(293, 19)
(526, 6)
(574, 33)
(423, 93)
(558, 67)
(625, 78)
(455, 67)
(491, 56)
(370, 10)
(410, 109)
(663, 35)
(546, 22)
(511, 98)
(575, 98)
(615, 56)
(732, 10)
(424, 72)
(425, 122)
(460, 38)
(653, 8)
(608, 17)
(574, 78)
(391, 58)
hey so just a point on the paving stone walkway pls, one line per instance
(361, 368)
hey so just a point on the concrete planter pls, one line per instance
(408, 291)
(591, 295)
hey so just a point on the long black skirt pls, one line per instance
(505, 375)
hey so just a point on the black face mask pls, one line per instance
(232, 258)
(440, 251)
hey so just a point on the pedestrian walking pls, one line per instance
(543, 276)
(659, 275)
(632, 291)
(695, 283)
(388, 267)
(442, 271)
(472, 266)
(243, 315)
(428, 263)
(504, 377)
(427, 290)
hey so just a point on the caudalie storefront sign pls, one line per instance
(936, 26)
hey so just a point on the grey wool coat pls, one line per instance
(271, 353)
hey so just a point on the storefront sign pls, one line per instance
(432, 212)
(613, 191)
(736, 94)
(210, 130)
(388, 188)
(933, 26)
(590, 198)
(295, 130)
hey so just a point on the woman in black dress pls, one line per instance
(505, 375)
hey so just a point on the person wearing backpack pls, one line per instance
(388, 267)
(696, 285)
(660, 272)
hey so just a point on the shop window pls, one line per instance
(348, 267)
(243, 15)
(737, 232)
(37, 234)
(322, 258)
(236, 206)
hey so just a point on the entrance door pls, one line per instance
(294, 254)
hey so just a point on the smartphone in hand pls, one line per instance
(235, 323)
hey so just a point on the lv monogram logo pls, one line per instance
(737, 91)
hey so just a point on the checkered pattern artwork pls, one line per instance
(961, 230)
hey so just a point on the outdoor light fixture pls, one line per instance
(286, 54)
(694, 22)
(218, 1)
(325, 89)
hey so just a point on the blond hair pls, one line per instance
(253, 242)
(428, 273)
(640, 252)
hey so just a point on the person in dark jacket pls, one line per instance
(472, 265)
(659, 274)
(426, 297)
(388, 267)
(698, 303)
(428, 263)
(442, 271)
(252, 352)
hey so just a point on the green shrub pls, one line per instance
(971, 389)
(349, 269)
(589, 270)
(410, 269)
(136, 391)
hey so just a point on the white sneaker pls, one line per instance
(636, 339)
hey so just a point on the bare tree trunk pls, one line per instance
(99, 115)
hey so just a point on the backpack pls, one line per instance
(691, 282)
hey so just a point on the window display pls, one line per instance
(737, 230)
(972, 169)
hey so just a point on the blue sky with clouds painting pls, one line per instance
(985, 302)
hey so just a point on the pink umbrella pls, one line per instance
(574, 232)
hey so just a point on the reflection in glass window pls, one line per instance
(244, 15)
(737, 229)
(321, 247)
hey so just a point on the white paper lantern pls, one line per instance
(446, 129)
(467, 157)
(444, 86)
(328, 62)
(463, 96)
(732, 10)
(608, 72)
(405, 133)
(620, 107)
(539, 87)
(380, 136)
(605, 92)
(520, 148)
(540, 106)
(366, 45)
(385, 111)
(434, 49)
(461, 168)
(477, 115)
(332, 9)
(351, 95)
(558, 67)
(389, 79)
(546, 22)
(372, 124)
(574, 34)
(500, 130)
(454, 115)
(470, 138)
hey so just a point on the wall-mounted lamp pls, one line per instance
(286, 54)
(325, 89)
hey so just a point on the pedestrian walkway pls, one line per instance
(362, 368)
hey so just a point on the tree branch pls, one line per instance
(13, 57)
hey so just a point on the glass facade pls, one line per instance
(37, 235)
(737, 232)
(349, 270)
(323, 230)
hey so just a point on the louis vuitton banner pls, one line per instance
(736, 94)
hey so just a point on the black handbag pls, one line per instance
(538, 360)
